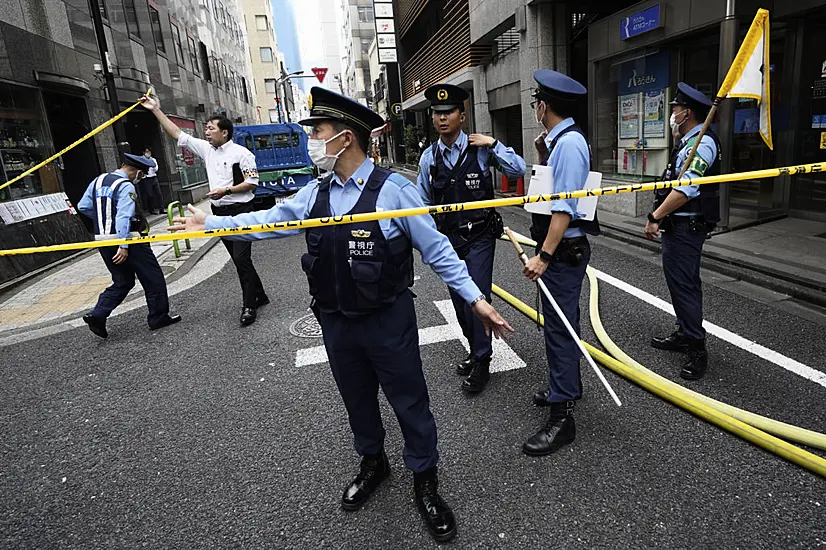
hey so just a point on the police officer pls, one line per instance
(109, 202)
(455, 169)
(233, 177)
(684, 216)
(359, 276)
(563, 253)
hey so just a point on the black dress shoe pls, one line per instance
(540, 398)
(559, 430)
(676, 341)
(464, 366)
(97, 326)
(248, 316)
(262, 300)
(374, 469)
(695, 367)
(166, 321)
(479, 377)
(437, 515)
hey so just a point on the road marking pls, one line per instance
(504, 358)
(724, 334)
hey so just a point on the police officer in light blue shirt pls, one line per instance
(359, 275)
(109, 202)
(685, 215)
(563, 253)
(456, 169)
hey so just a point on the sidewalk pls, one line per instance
(71, 289)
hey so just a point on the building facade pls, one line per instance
(356, 34)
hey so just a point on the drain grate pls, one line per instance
(306, 327)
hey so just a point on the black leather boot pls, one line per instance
(540, 398)
(464, 366)
(479, 377)
(437, 515)
(697, 363)
(676, 341)
(558, 430)
(97, 326)
(374, 469)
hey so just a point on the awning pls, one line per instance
(380, 130)
(61, 82)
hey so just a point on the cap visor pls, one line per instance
(309, 121)
(443, 108)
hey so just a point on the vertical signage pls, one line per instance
(385, 31)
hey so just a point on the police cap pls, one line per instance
(555, 86)
(327, 105)
(446, 97)
(691, 98)
(136, 161)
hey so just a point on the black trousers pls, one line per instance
(150, 193)
(478, 257)
(682, 249)
(241, 254)
(142, 263)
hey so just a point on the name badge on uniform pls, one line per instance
(360, 233)
(542, 183)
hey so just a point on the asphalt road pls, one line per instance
(207, 435)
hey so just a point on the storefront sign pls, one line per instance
(644, 74)
(34, 207)
(641, 22)
(654, 122)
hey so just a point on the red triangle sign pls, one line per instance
(320, 73)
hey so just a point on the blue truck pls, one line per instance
(284, 165)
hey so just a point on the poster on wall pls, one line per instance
(654, 121)
(629, 127)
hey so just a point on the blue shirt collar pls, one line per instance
(459, 144)
(691, 133)
(121, 173)
(360, 176)
(558, 130)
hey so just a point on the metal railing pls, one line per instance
(169, 213)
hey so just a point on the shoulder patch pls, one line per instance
(133, 196)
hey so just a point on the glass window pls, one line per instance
(274, 115)
(285, 140)
(204, 57)
(365, 46)
(157, 33)
(130, 13)
(193, 55)
(263, 142)
(269, 85)
(266, 55)
(365, 14)
(176, 41)
(261, 22)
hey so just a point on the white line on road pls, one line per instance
(504, 358)
(724, 334)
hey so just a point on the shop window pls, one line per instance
(176, 42)
(130, 13)
(157, 33)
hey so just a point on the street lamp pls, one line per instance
(278, 83)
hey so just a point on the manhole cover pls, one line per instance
(306, 327)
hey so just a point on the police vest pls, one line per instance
(466, 182)
(106, 208)
(707, 204)
(541, 223)
(352, 268)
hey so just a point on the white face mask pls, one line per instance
(317, 148)
(675, 127)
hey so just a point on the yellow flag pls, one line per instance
(749, 73)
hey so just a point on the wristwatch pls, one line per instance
(494, 144)
(228, 191)
(654, 220)
(545, 257)
(477, 299)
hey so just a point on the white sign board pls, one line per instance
(385, 26)
(383, 10)
(388, 56)
(542, 183)
(387, 40)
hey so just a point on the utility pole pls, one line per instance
(109, 78)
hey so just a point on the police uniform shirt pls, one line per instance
(124, 196)
(152, 172)
(570, 162)
(396, 193)
(512, 164)
(703, 158)
(219, 161)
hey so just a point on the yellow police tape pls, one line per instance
(75, 144)
(685, 400)
(443, 209)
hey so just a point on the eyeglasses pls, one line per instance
(534, 103)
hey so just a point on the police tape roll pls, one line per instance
(435, 210)
(75, 144)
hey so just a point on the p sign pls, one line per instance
(396, 109)
(320, 73)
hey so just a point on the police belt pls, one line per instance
(565, 247)
(130, 235)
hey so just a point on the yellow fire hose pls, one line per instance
(788, 432)
(684, 400)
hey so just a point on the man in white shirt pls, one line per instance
(232, 176)
(149, 188)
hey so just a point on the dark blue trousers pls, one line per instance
(382, 349)
(478, 257)
(565, 284)
(681, 251)
(143, 264)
